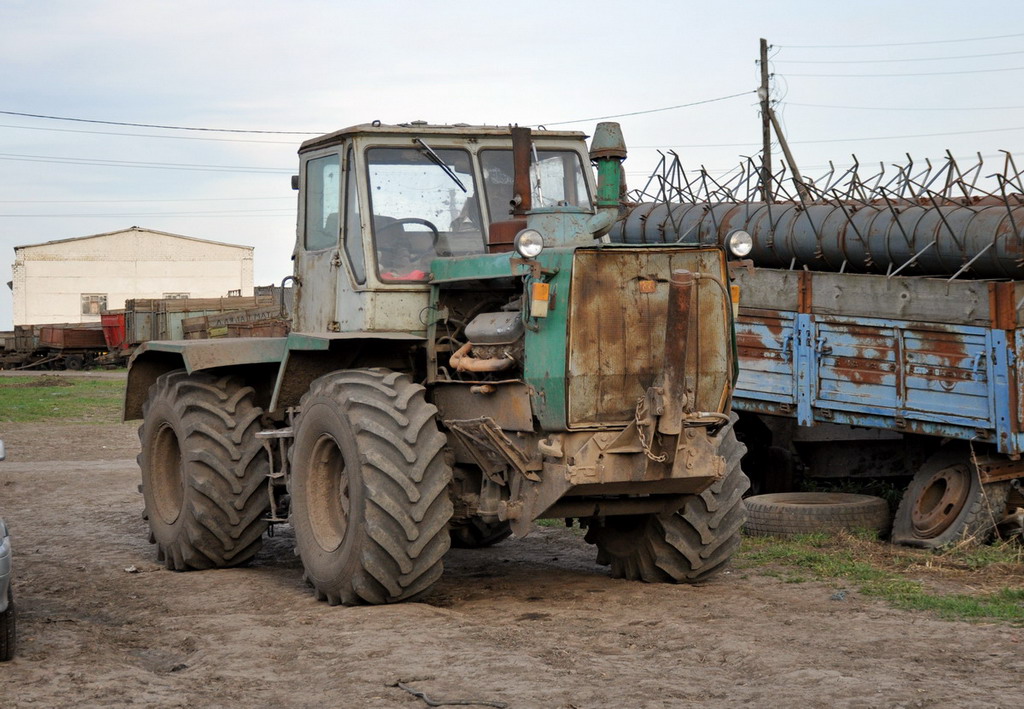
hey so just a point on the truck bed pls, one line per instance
(911, 354)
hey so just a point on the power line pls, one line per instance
(640, 113)
(121, 215)
(150, 135)
(148, 165)
(153, 125)
(832, 140)
(126, 201)
(897, 108)
(930, 73)
(888, 61)
(897, 44)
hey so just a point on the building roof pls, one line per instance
(130, 229)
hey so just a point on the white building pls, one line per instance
(73, 280)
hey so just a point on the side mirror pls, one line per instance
(3, 453)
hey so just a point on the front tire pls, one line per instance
(203, 471)
(687, 546)
(370, 504)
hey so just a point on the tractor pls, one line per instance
(468, 355)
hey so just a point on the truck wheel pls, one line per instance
(788, 514)
(370, 504)
(74, 363)
(477, 534)
(687, 546)
(8, 628)
(203, 471)
(946, 503)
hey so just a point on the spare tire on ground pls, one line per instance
(786, 514)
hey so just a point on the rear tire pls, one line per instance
(203, 471)
(946, 503)
(687, 546)
(369, 488)
(789, 514)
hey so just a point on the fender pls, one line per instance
(278, 368)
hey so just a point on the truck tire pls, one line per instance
(8, 628)
(946, 503)
(369, 488)
(204, 473)
(687, 546)
(477, 534)
(788, 514)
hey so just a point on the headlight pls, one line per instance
(740, 243)
(529, 243)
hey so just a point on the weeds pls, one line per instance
(908, 579)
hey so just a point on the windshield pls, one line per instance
(556, 177)
(424, 205)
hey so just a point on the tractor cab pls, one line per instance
(380, 203)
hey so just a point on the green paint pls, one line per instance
(547, 343)
(608, 173)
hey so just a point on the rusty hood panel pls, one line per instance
(618, 307)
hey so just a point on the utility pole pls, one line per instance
(766, 127)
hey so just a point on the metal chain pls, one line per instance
(640, 431)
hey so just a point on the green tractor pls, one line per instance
(468, 355)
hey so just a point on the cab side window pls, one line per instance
(323, 203)
(353, 224)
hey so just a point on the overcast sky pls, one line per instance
(939, 75)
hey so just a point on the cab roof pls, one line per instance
(422, 128)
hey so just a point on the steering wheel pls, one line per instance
(435, 234)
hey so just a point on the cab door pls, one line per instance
(317, 256)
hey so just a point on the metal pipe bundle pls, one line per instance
(981, 240)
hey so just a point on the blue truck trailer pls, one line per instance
(866, 375)
(880, 331)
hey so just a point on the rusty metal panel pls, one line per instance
(618, 306)
(507, 404)
(765, 344)
(767, 288)
(906, 370)
(71, 336)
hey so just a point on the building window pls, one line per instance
(235, 293)
(93, 303)
(175, 296)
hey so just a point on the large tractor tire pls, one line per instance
(687, 546)
(788, 514)
(369, 498)
(946, 503)
(204, 473)
(475, 533)
(8, 628)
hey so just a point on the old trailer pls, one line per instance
(880, 332)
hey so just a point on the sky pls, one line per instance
(879, 80)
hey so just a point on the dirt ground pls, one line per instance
(529, 623)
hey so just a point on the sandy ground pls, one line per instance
(529, 623)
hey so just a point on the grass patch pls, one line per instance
(53, 398)
(909, 579)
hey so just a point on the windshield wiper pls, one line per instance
(434, 158)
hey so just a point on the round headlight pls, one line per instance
(740, 243)
(529, 243)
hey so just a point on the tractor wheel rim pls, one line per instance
(166, 475)
(327, 494)
(941, 501)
